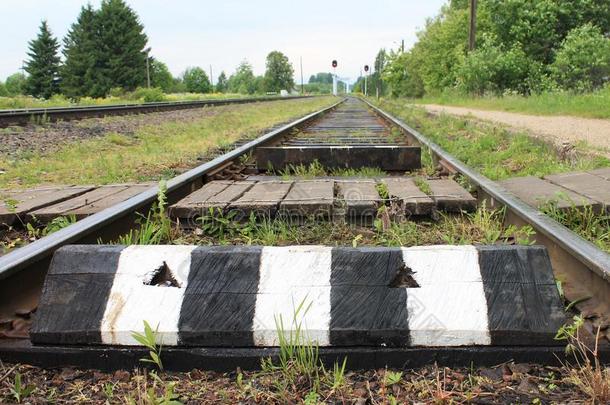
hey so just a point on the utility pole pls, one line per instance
(302, 87)
(211, 79)
(147, 50)
(472, 34)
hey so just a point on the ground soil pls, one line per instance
(504, 383)
(557, 129)
(51, 136)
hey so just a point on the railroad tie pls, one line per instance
(240, 296)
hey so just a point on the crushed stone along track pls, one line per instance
(27, 115)
(350, 166)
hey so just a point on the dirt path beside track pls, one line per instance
(558, 129)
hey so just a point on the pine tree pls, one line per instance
(80, 52)
(121, 59)
(43, 64)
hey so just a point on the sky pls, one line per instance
(221, 33)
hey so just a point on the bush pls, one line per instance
(15, 84)
(492, 69)
(116, 92)
(196, 80)
(3, 92)
(583, 61)
(148, 95)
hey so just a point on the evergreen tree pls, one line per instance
(121, 60)
(221, 84)
(43, 65)
(278, 75)
(80, 52)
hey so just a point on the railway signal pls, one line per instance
(334, 64)
(366, 70)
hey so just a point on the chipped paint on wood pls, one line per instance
(449, 306)
(132, 300)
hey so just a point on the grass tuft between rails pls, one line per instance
(591, 225)
(316, 169)
(153, 152)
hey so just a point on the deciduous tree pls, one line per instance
(583, 61)
(242, 81)
(160, 75)
(279, 73)
(196, 80)
(15, 84)
(221, 83)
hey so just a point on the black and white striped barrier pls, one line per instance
(231, 296)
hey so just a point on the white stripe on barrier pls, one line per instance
(449, 308)
(290, 277)
(132, 301)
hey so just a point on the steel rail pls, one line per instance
(24, 115)
(19, 259)
(584, 251)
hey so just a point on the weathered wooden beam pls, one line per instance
(16, 204)
(231, 296)
(410, 197)
(359, 197)
(309, 198)
(586, 184)
(263, 198)
(91, 202)
(450, 196)
(537, 192)
(388, 158)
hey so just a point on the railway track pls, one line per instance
(376, 305)
(24, 116)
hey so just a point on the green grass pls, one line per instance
(154, 151)
(61, 101)
(589, 105)
(591, 225)
(482, 227)
(316, 169)
(494, 151)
